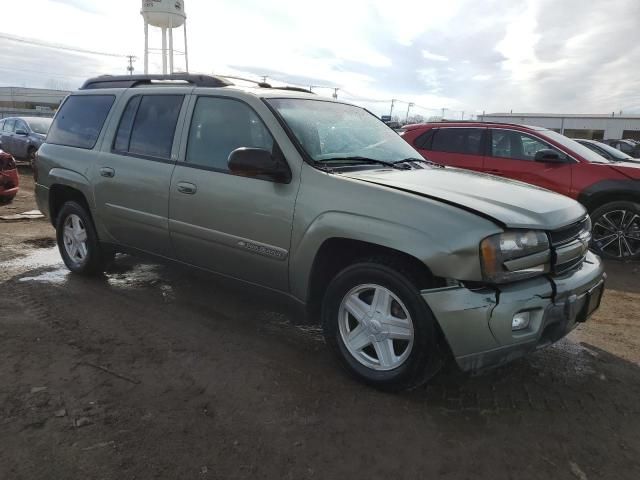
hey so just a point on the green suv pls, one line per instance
(405, 263)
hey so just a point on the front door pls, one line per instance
(512, 155)
(233, 225)
(20, 142)
(134, 173)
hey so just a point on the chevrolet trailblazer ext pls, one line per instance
(405, 263)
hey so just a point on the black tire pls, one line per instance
(426, 355)
(96, 258)
(31, 156)
(6, 200)
(616, 231)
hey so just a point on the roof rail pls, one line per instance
(267, 85)
(129, 81)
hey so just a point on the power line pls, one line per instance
(56, 46)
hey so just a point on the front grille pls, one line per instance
(569, 246)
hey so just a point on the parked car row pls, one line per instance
(609, 189)
(607, 151)
(22, 136)
(630, 147)
(9, 182)
(405, 263)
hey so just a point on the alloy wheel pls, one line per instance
(75, 239)
(617, 233)
(376, 327)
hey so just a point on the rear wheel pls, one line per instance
(380, 328)
(616, 231)
(78, 242)
(31, 156)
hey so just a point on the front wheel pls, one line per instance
(616, 231)
(380, 328)
(77, 240)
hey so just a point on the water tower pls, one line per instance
(166, 15)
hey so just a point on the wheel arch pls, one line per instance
(336, 253)
(609, 191)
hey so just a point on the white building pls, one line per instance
(596, 127)
(18, 101)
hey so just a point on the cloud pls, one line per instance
(433, 56)
(462, 54)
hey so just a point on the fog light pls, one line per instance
(520, 321)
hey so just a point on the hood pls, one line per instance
(507, 202)
(628, 168)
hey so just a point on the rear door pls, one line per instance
(461, 147)
(512, 155)
(234, 225)
(134, 170)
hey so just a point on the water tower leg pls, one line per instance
(146, 48)
(186, 50)
(171, 49)
(164, 51)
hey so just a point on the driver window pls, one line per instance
(517, 145)
(218, 127)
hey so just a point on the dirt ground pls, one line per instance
(154, 372)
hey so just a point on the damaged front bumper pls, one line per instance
(477, 324)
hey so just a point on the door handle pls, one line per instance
(107, 172)
(186, 188)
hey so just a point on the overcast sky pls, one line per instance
(563, 56)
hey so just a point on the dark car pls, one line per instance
(22, 136)
(629, 147)
(8, 178)
(610, 190)
(606, 151)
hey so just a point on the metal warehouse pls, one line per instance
(17, 101)
(596, 127)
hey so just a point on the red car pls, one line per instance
(609, 190)
(8, 178)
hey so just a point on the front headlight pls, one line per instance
(515, 255)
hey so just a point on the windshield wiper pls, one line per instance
(413, 159)
(357, 160)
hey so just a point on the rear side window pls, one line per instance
(148, 126)
(458, 140)
(80, 120)
(425, 140)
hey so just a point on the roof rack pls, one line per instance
(129, 81)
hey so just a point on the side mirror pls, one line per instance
(548, 156)
(21, 132)
(258, 163)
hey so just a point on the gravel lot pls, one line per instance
(154, 372)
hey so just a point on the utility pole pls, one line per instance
(443, 110)
(393, 101)
(264, 79)
(462, 116)
(411, 104)
(335, 93)
(130, 68)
